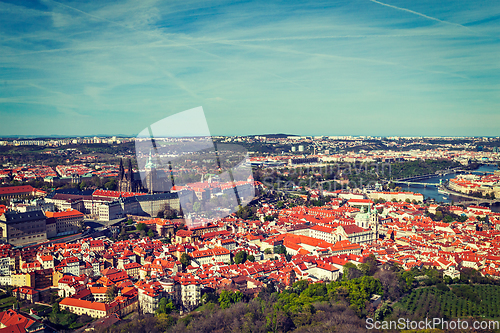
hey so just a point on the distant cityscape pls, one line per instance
(249, 166)
(87, 231)
(52, 141)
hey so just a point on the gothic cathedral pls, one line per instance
(126, 181)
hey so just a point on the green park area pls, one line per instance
(455, 301)
(6, 301)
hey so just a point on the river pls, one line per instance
(431, 192)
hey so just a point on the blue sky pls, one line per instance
(359, 67)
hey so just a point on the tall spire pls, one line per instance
(150, 164)
(121, 171)
(130, 172)
(150, 169)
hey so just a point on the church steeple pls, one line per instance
(150, 164)
(121, 171)
(130, 172)
(125, 178)
(374, 221)
(150, 169)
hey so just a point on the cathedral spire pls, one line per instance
(121, 171)
(150, 164)
(130, 172)
(150, 169)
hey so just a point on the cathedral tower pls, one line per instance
(374, 222)
(151, 177)
(130, 173)
(125, 179)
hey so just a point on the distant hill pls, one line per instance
(274, 136)
(55, 136)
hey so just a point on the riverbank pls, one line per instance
(446, 190)
(432, 192)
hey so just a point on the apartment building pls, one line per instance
(23, 228)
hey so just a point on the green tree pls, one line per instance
(268, 251)
(226, 298)
(370, 266)
(123, 234)
(244, 212)
(151, 233)
(83, 185)
(185, 260)
(141, 226)
(408, 277)
(240, 257)
(209, 297)
(170, 213)
(251, 258)
(300, 286)
(55, 308)
(164, 321)
(111, 293)
(165, 306)
(110, 185)
(97, 181)
(384, 311)
(280, 249)
(350, 271)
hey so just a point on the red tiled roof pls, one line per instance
(210, 252)
(16, 189)
(352, 229)
(184, 233)
(84, 304)
(360, 201)
(15, 322)
(67, 213)
(323, 229)
(132, 265)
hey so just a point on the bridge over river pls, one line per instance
(415, 183)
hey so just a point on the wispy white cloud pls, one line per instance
(420, 14)
(18, 10)
(108, 63)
